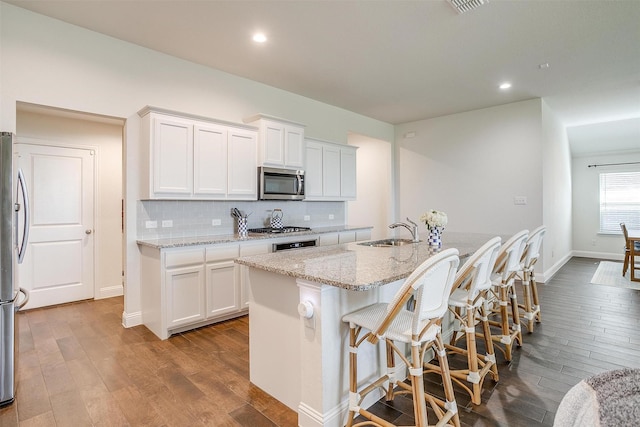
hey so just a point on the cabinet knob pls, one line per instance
(88, 231)
(305, 309)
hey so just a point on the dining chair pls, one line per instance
(627, 249)
(430, 285)
(531, 303)
(467, 304)
(503, 294)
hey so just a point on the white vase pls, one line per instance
(435, 236)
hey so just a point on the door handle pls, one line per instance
(88, 231)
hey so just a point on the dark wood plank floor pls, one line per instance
(77, 365)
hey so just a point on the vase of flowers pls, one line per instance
(435, 222)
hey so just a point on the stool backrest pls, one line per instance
(475, 274)
(534, 243)
(430, 285)
(508, 262)
(625, 233)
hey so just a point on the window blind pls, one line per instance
(619, 201)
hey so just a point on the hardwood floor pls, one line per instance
(77, 365)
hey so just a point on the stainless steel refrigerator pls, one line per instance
(14, 234)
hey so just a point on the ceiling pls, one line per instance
(394, 60)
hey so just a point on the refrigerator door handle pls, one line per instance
(25, 201)
(25, 300)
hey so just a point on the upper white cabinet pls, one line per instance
(330, 172)
(281, 142)
(190, 157)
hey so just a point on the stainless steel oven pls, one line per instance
(280, 184)
(298, 244)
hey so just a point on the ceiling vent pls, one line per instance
(462, 6)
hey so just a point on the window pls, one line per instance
(619, 200)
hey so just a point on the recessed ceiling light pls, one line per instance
(259, 38)
(505, 85)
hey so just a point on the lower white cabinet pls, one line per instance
(346, 236)
(185, 288)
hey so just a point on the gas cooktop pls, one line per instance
(286, 229)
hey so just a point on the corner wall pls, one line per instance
(471, 165)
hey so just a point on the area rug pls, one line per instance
(610, 274)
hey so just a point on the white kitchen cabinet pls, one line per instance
(281, 142)
(172, 156)
(185, 288)
(195, 158)
(223, 285)
(243, 170)
(346, 236)
(210, 160)
(331, 171)
(184, 285)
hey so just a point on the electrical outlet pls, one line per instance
(593, 242)
(151, 224)
(520, 200)
(307, 217)
(216, 221)
(331, 216)
(167, 223)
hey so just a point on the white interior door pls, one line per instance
(58, 265)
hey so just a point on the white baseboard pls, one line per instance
(131, 319)
(547, 275)
(599, 255)
(110, 291)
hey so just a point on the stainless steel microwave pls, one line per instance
(280, 184)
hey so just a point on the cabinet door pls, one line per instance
(210, 161)
(348, 173)
(272, 145)
(313, 171)
(331, 171)
(223, 295)
(243, 166)
(294, 147)
(185, 295)
(172, 157)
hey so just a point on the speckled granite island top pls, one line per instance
(177, 242)
(356, 267)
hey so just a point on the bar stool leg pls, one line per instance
(526, 296)
(536, 301)
(354, 398)
(450, 404)
(516, 316)
(488, 341)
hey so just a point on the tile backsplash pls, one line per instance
(186, 218)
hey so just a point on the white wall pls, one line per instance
(106, 138)
(471, 165)
(586, 208)
(375, 202)
(557, 188)
(48, 62)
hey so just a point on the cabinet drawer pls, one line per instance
(222, 252)
(183, 257)
(255, 248)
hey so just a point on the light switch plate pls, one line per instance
(166, 223)
(216, 221)
(520, 200)
(151, 224)
(307, 217)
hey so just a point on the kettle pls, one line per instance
(276, 218)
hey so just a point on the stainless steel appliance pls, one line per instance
(14, 234)
(279, 230)
(276, 247)
(280, 184)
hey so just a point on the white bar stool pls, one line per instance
(430, 285)
(531, 302)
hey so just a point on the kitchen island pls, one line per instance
(298, 343)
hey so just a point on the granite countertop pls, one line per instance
(176, 242)
(356, 267)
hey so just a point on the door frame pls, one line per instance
(96, 225)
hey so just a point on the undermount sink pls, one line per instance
(387, 243)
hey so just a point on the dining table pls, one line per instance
(633, 238)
